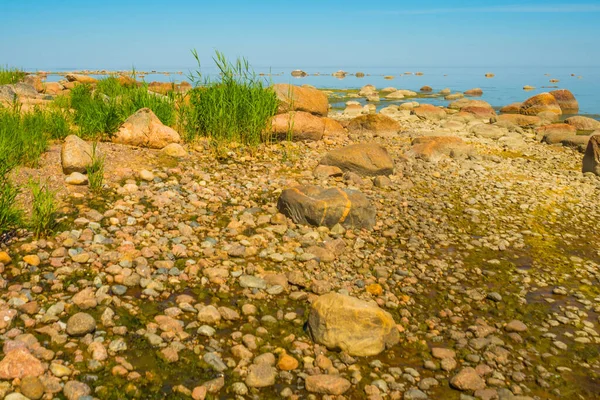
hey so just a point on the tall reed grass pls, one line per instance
(10, 75)
(44, 209)
(237, 107)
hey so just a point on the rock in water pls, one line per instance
(144, 129)
(366, 159)
(81, 78)
(76, 155)
(539, 103)
(567, 102)
(378, 124)
(296, 98)
(591, 160)
(313, 205)
(351, 325)
(80, 324)
(583, 123)
(298, 126)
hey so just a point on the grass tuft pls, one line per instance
(237, 107)
(95, 170)
(11, 75)
(43, 215)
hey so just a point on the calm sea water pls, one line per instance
(506, 87)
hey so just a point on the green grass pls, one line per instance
(237, 107)
(43, 215)
(95, 170)
(10, 75)
(10, 216)
(100, 111)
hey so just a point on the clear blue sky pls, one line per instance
(156, 34)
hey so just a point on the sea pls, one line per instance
(504, 88)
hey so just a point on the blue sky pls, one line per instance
(351, 33)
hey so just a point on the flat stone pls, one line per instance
(327, 384)
(261, 375)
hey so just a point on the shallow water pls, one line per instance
(506, 87)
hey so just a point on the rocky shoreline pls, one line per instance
(415, 253)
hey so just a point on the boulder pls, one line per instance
(396, 95)
(360, 74)
(333, 127)
(426, 89)
(583, 123)
(316, 206)
(79, 78)
(367, 90)
(296, 98)
(144, 129)
(298, 126)
(19, 363)
(576, 142)
(556, 129)
(298, 73)
(327, 384)
(429, 112)
(474, 92)
(366, 159)
(35, 81)
(53, 88)
(462, 103)
(360, 328)
(480, 112)
(434, 148)
(591, 159)
(540, 103)
(378, 124)
(524, 121)
(512, 108)
(76, 155)
(454, 96)
(548, 117)
(567, 102)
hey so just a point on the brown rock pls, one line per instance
(35, 81)
(374, 123)
(144, 129)
(539, 103)
(429, 112)
(433, 148)
(261, 375)
(512, 108)
(524, 121)
(296, 98)
(591, 160)
(583, 123)
(19, 363)
(474, 92)
(76, 155)
(313, 205)
(467, 379)
(325, 171)
(556, 129)
(32, 387)
(327, 384)
(577, 142)
(355, 326)
(461, 103)
(366, 159)
(53, 88)
(567, 102)
(298, 126)
(426, 89)
(480, 112)
(287, 363)
(333, 127)
(162, 87)
(81, 78)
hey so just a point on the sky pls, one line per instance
(151, 34)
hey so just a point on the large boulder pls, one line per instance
(298, 126)
(583, 123)
(298, 73)
(35, 81)
(479, 112)
(144, 129)
(461, 103)
(352, 325)
(366, 159)
(567, 102)
(333, 127)
(556, 130)
(591, 159)
(81, 78)
(474, 92)
(434, 148)
(312, 205)
(76, 155)
(377, 124)
(512, 108)
(53, 88)
(429, 112)
(296, 98)
(540, 103)
(20, 90)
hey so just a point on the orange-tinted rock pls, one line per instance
(365, 159)
(53, 88)
(162, 87)
(426, 89)
(125, 80)
(540, 103)
(461, 103)
(333, 127)
(81, 78)
(19, 363)
(524, 121)
(35, 81)
(567, 102)
(296, 98)
(374, 123)
(564, 129)
(433, 148)
(429, 112)
(298, 126)
(474, 92)
(512, 108)
(481, 112)
(144, 129)
(583, 123)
